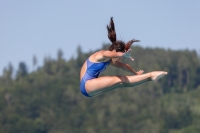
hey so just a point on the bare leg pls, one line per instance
(108, 83)
(137, 83)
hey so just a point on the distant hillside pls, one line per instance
(48, 99)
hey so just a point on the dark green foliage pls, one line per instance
(22, 71)
(48, 100)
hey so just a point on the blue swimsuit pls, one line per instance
(93, 71)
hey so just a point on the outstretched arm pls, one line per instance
(103, 54)
(126, 67)
(110, 54)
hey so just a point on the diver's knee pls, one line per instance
(123, 79)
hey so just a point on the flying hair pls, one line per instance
(128, 44)
(111, 31)
(112, 37)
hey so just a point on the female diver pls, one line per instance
(90, 82)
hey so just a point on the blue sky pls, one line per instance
(41, 27)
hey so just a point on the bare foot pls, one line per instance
(157, 75)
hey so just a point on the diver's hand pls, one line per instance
(139, 72)
(127, 54)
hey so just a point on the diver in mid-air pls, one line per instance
(90, 82)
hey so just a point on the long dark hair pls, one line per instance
(117, 45)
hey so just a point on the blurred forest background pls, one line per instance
(48, 100)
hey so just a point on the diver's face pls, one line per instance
(115, 59)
